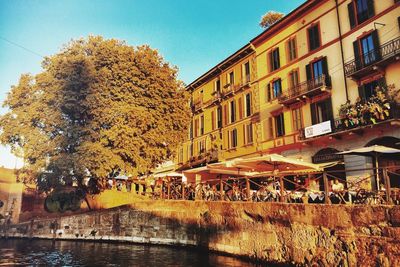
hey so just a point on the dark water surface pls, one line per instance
(69, 253)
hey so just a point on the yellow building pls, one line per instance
(284, 91)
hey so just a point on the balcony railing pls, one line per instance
(374, 57)
(197, 104)
(306, 88)
(339, 125)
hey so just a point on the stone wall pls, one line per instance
(330, 235)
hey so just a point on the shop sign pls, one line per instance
(318, 129)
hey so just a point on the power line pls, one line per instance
(22, 47)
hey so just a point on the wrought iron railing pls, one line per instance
(307, 86)
(365, 119)
(197, 104)
(385, 51)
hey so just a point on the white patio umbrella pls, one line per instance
(274, 163)
(374, 152)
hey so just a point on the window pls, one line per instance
(293, 79)
(368, 90)
(217, 86)
(297, 119)
(190, 150)
(202, 146)
(274, 90)
(274, 62)
(279, 125)
(246, 72)
(321, 111)
(248, 105)
(219, 117)
(231, 78)
(225, 115)
(232, 139)
(248, 133)
(291, 49)
(201, 124)
(191, 130)
(196, 127)
(213, 119)
(317, 73)
(366, 50)
(277, 88)
(232, 111)
(360, 11)
(313, 37)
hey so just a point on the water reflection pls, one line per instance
(66, 253)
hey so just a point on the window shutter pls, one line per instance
(314, 115)
(356, 50)
(240, 108)
(213, 120)
(361, 92)
(225, 116)
(244, 134)
(329, 110)
(279, 59)
(352, 17)
(268, 93)
(269, 61)
(308, 72)
(371, 9)
(375, 39)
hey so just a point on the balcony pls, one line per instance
(197, 105)
(305, 89)
(205, 157)
(375, 59)
(336, 128)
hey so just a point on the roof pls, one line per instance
(250, 47)
(283, 22)
(222, 66)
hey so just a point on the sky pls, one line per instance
(193, 35)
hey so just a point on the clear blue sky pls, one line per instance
(193, 35)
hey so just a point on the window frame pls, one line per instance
(296, 121)
(248, 110)
(277, 80)
(313, 25)
(246, 77)
(291, 85)
(232, 111)
(232, 138)
(288, 49)
(274, 52)
(279, 120)
(248, 132)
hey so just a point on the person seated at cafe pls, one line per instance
(337, 196)
(313, 186)
(337, 186)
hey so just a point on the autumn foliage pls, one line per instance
(99, 107)
(270, 18)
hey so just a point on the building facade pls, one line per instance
(314, 83)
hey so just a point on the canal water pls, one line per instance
(68, 253)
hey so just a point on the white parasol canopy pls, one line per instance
(274, 163)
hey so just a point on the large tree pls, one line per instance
(98, 107)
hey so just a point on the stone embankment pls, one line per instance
(312, 235)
